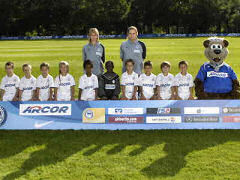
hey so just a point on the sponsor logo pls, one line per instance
(217, 74)
(201, 110)
(125, 111)
(191, 119)
(165, 85)
(89, 87)
(129, 84)
(231, 110)
(40, 125)
(184, 85)
(110, 86)
(27, 88)
(148, 85)
(45, 109)
(126, 120)
(65, 84)
(45, 87)
(3, 115)
(9, 85)
(231, 119)
(93, 115)
(163, 110)
(164, 119)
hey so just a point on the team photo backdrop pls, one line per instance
(113, 115)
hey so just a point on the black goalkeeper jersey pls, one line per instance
(109, 86)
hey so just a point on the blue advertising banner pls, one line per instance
(121, 36)
(113, 115)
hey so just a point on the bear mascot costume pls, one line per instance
(216, 79)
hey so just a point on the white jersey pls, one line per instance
(165, 83)
(129, 81)
(64, 84)
(88, 86)
(10, 86)
(44, 85)
(148, 84)
(28, 86)
(184, 83)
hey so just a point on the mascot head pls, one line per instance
(216, 51)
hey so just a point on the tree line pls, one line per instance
(74, 17)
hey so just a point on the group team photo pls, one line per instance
(119, 90)
(215, 79)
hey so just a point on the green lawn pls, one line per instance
(158, 50)
(166, 154)
(163, 154)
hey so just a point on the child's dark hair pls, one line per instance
(165, 63)
(44, 64)
(86, 63)
(148, 63)
(129, 61)
(26, 65)
(109, 62)
(9, 64)
(182, 63)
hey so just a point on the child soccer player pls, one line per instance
(147, 82)
(183, 83)
(64, 84)
(27, 87)
(164, 83)
(109, 83)
(45, 84)
(129, 82)
(10, 84)
(88, 83)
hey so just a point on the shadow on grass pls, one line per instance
(63, 144)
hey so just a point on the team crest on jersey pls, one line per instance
(3, 115)
(137, 47)
(15, 80)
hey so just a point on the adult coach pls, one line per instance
(95, 52)
(133, 49)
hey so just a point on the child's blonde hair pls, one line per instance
(60, 64)
(26, 65)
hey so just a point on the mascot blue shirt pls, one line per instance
(220, 81)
